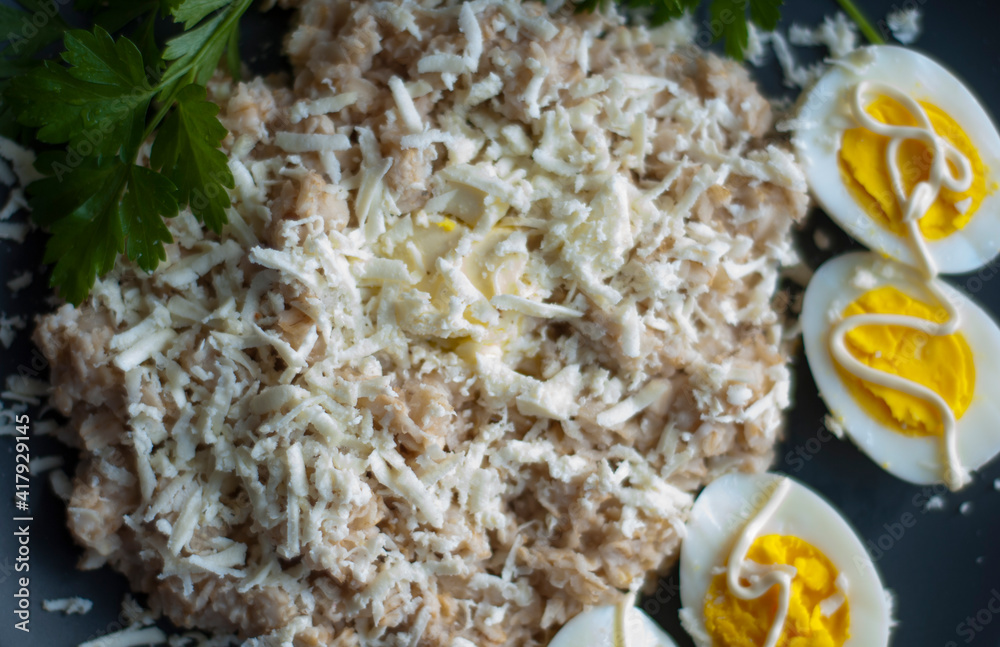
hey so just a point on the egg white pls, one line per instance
(730, 502)
(595, 628)
(825, 114)
(914, 459)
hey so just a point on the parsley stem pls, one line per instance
(185, 74)
(160, 114)
(872, 34)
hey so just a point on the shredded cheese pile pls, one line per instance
(494, 299)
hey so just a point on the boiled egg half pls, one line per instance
(901, 432)
(612, 626)
(771, 528)
(848, 165)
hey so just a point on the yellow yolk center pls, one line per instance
(864, 170)
(732, 622)
(943, 364)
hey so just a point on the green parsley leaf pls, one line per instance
(590, 5)
(196, 53)
(145, 39)
(191, 12)
(148, 200)
(114, 15)
(233, 55)
(80, 206)
(187, 152)
(97, 202)
(664, 10)
(30, 29)
(728, 19)
(96, 104)
(187, 47)
(672, 9)
(766, 13)
(95, 211)
(11, 67)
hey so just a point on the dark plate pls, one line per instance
(944, 566)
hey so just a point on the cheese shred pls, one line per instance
(495, 299)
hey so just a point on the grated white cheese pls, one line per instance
(484, 265)
(20, 282)
(186, 523)
(306, 143)
(44, 464)
(324, 106)
(634, 404)
(15, 203)
(22, 159)
(7, 177)
(9, 327)
(469, 26)
(143, 349)
(68, 606)
(131, 637)
(533, 308)
(838, 33)
(905, 24)
(485, 89)
(404, 103)
(935, 502)
(15, 231)
(834, 425)
(61, 485)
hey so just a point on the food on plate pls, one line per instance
(495, 296)
(862, 177)
(622, 625)
(914, 186)
(904, 433)
(766, 561)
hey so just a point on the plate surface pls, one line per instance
(943, 565)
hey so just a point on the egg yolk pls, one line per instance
(864, 170)
(732, 622)
(943, 364)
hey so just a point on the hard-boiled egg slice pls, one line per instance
(899, 432)
(847, 167)
(611, 626)
(835, 595)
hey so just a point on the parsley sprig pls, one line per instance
(98, 105)
(105, 97)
